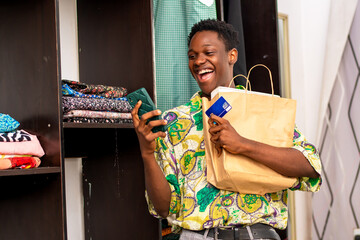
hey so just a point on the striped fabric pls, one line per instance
(16, 136)
(173, 20)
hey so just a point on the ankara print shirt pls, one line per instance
(196, 204)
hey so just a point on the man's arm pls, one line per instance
(155, 182)
(286, 161)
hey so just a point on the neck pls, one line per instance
(202, 94)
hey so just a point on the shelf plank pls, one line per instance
(97, 125)
(31, 171)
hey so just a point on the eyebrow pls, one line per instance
(205, 45)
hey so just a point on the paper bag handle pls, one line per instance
(241, 75)
(248, 76)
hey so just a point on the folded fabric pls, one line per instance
(7, 123)
(101, 90)
(96, 114)
(16, 136)
(97, 120)
(68, 91)
(19, 162)
(95, 104)
(13, 155)
(31, 147)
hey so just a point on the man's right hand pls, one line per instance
(143, 129)
(157, 186)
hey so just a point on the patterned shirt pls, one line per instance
(196, 204)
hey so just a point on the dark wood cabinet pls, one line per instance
(115, 48)
(31, 201)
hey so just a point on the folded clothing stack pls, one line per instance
(94, 103)
(18, 148)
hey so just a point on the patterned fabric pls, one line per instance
(19, 162)
(172, 22)
(24, 162)
(10, 156)
(96, 114)
(99, 90)
(195, 204)
(96, 120)
(17, 136)
(67, 91)
(7, 123)
(94, 104)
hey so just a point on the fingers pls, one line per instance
(218, 149)
(152, 136)
(156, 123)
(217, 119)
(216, 124)
(158, 134)
(215, 129)
(134, 113)
(142, 125)
(150, 114)
(215, 138)
(212, 123)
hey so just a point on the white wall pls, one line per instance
(308, 21)
(73, 166)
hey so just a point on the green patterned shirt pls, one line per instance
(196, 204)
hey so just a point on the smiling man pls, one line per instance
(210, 61)
(175, 165)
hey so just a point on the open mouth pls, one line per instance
(205, 74)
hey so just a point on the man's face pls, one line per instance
(210, 64)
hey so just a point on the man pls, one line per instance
(175, 166)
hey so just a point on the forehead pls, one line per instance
(206, 38)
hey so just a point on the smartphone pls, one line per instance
(146, 106)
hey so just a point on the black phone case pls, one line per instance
(146, 106)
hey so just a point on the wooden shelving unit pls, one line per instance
(32, 171)
(30, 92)
(97, 125)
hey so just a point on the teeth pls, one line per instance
(204, 71)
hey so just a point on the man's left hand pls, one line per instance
(223, 135)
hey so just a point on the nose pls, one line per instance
(200, 59)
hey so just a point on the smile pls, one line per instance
(205, 74)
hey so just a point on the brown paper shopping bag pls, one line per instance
(261, 117)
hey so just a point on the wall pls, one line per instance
(308, 22)
(73, 166)
(337, 206)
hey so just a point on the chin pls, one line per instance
(206, 92)
(206, 89)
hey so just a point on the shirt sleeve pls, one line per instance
(312, 155)
(165, 157)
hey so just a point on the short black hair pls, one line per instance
(226, 32)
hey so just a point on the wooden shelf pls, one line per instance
(97, 125)
(32, 171)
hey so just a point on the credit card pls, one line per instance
(219, 108)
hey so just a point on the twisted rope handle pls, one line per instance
(248, 76)
(270, 75)
(241, 75)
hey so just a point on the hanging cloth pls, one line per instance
(172, 23)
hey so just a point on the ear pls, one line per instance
(233, 56)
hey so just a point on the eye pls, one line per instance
(209, 53)
(191, 56)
